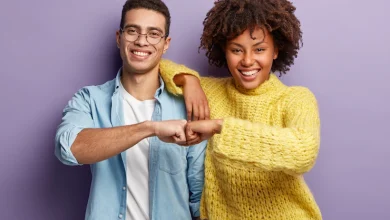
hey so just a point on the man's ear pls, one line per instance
(166, 44)
(118, 38)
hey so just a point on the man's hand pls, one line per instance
(171, 131)
(205, 129)
(194, 97)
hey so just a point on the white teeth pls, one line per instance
(249, 73)
(142, 54)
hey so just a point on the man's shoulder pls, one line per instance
(167, 97)
(107, 87)
(104, 89)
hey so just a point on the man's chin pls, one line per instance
(140, 69)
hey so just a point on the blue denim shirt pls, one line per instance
(176, 173)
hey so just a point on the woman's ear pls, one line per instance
(276, 52)
(223, 47)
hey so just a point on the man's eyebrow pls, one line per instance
(139, 27)
(154, 28)
(132, 25)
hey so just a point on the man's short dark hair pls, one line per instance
(154, 5)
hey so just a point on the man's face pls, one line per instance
(139, 56)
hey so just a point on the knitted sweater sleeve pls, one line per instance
(292, 148)
(168, 70)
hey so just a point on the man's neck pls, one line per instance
(141, 86)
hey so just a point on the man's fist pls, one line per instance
(171, 131)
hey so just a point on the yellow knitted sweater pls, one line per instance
(270, 137)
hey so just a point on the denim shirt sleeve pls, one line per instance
(195, 175)
(76, 116)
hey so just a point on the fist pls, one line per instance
(171, 131)
(205, 129)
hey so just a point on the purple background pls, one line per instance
(49, 49)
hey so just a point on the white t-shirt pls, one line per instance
(137, 157)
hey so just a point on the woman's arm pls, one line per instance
(292, 149)
(180, 79)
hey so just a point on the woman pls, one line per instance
(264, 134)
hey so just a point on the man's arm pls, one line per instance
(96, 144)
(78, 142)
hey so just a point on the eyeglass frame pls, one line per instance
(146, 36)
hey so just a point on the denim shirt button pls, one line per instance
(120, 216)
(124, 188)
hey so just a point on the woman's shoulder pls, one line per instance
(299, 94)
(212, 82)
(299, 90)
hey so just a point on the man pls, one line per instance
(118, 128)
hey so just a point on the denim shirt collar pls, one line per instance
(159, 91)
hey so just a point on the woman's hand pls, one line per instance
(205, 129)
(195, 99)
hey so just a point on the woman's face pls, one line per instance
(250, 59)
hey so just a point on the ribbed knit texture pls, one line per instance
(270, 137)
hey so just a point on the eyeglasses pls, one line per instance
(152, 37)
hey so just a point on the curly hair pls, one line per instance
(230, 18)
(154, 5)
